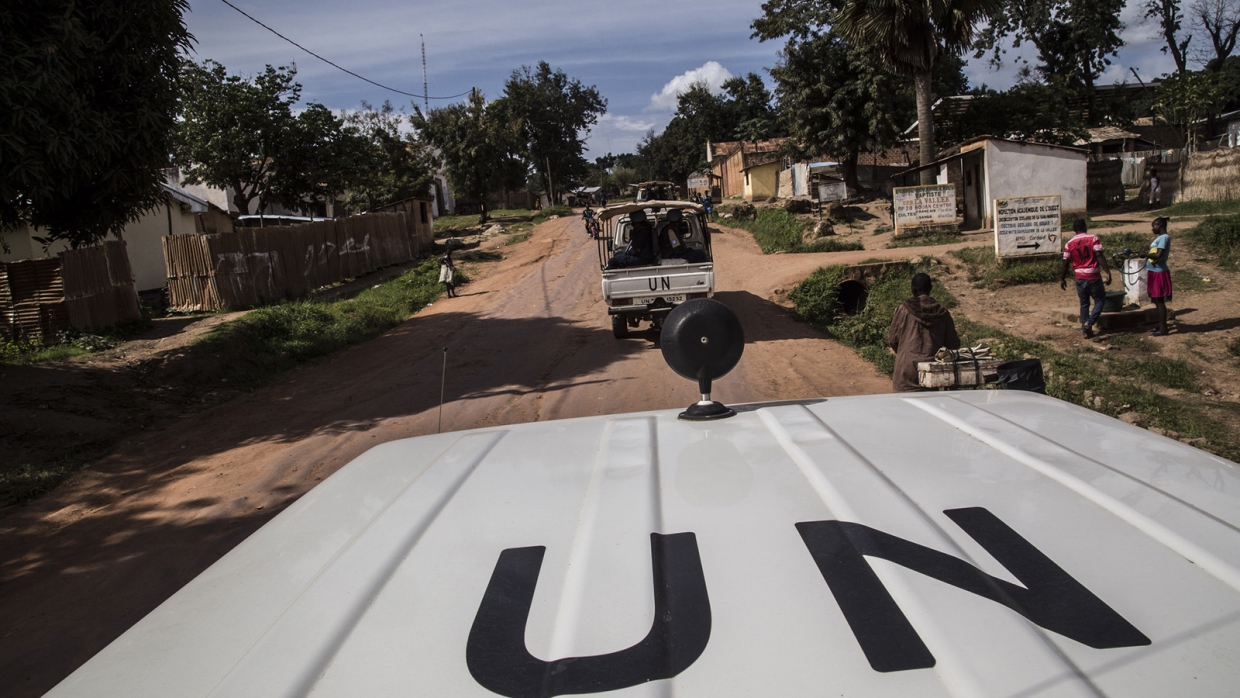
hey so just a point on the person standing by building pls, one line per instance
(1158, 274)
(447, 274)
(919, 328)
(1155, 189)
(1083, 254)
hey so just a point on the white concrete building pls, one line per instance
(988, 168)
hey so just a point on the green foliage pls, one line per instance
(1075, 39)
(475, 145)
(776, 230)
(1233, 347)
(69, 344)
(88, 101)
(838, 100)
(391, 166)
(243, 134)
(275, 338)
(1186, 99)
(1219, 235)
(1029, 111)
(518, 238)
(816, 300)
(986, 271)
(551, 114)
(742, 111)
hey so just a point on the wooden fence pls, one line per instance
(86, 289)
(1104, 187)
(259, 265)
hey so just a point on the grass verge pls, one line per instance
(275, 338)
(986, 271)
(69, 344)
(939, 238)
(1218, 236)
(776, 230)
(1108, 384)
(518, 238)
(1196, 208)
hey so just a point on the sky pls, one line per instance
(640, 54)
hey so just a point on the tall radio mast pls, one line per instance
(425, 93)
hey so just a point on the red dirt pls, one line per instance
(529, 339)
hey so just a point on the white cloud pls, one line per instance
(620, 122)
(711, 73)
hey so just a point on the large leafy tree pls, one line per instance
(552, 114)
(474, 142)
(839, 101)
(243, 134)
(87, 104)
(909, 38)
(391, 164)
(1075, 40)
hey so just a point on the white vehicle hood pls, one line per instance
(986, 543)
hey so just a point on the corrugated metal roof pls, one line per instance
(969, 544)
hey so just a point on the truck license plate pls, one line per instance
(670, 299)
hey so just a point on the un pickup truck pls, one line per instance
(643, 282)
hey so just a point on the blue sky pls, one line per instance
(639, 53)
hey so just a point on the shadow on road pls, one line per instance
(82, 564)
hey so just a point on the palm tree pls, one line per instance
(908, 36)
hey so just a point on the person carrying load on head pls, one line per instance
(1083, 254)
(641, 250)
(919, 328)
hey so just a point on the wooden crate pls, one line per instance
(957, 374)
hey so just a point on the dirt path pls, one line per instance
(529, 340)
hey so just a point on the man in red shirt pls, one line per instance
(1083, 254)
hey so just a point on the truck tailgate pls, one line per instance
(659, 280)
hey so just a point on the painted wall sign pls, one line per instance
(934, 204)
(832, 190)
(1027, 226)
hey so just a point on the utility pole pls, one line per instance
(426, 98)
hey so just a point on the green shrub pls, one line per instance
(816, 300)
(776, 230)
(1234, 347)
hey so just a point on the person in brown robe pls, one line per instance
(919, 328)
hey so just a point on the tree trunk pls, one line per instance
(1090, 99)
(849, 166)
(482, 214)
(925, 125)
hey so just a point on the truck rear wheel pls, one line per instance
(619, 326)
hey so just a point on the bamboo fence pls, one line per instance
(253, 266)
(1104, 186)
(1210, 176)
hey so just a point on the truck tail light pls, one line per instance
(623, 301)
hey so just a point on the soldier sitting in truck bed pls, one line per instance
(641, 249)
(673, 237)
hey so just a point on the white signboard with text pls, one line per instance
(832, 190)
(915, 207)
(1028, 226)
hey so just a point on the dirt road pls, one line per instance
(529, 340)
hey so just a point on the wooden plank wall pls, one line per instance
(253, 266)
